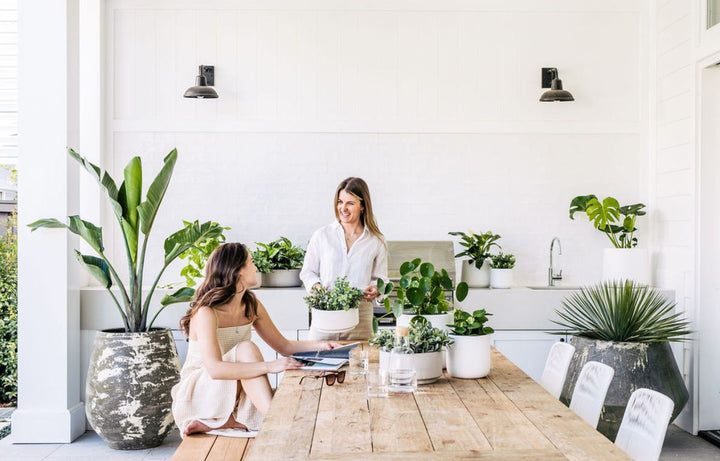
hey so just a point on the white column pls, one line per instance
(50, 409)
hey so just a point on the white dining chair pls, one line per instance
(556, 367)
(642, 430)
(590, 390)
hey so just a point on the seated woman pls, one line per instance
(223, 383)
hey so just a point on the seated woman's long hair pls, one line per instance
(220, 285)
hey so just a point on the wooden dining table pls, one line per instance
(505, 416)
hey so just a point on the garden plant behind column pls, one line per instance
(132, 368)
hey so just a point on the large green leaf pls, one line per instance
(461, 291)
(91, 233)
(149, 208)
(104, 179)
(97, 267)
(416, 296)
(579, 204)
(603, 214)
(190, 236)
(183, 295)
(47, 223)
(130, 195)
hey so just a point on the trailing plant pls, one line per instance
(502, 261)
(615, 221)
(422, 338)
(8, 312)
(198, 255)
(262, 264)
(341, 297)
(281, 254)
(467, 324)
(420, 290)
(622, 311)
(477, 246)
(135, 218)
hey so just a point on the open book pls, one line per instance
(331, 359)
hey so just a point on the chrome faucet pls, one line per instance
(552, 275)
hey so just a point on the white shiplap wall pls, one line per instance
(8, 82)
(435, 104)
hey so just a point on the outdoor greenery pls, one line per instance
(198, 255)
(622, 311)
(134, 217)
(502, 261)
(341, 297)
(420, 290)
(8, 312)
(467, 324)
(615, 221)
(477, 246)
(422, 338)
(280, 254)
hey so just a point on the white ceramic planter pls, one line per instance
(335, 321)
(626, 263)
(428, 366)
(474, 277)
(437, 321)
(282, 278)
(469, 356)
(501, 278)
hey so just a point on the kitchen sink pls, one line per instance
(557, 287)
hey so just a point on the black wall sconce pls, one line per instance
(551, 80)
(203, 84)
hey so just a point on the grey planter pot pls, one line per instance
(282, 278)
(128, 400)
(636, 365)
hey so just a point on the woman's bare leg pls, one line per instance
(257, 389)
(196, 426)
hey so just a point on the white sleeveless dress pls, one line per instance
(211, 401)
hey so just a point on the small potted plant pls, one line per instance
(624, 261)
(262, 264)
(476, 269)
(285, 260)
(420, 292)
(501, 270)
(427, 343)
(334, 310)
(469, 355)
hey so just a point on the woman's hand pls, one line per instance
(282, 364)
(329, 345)
(371, 293)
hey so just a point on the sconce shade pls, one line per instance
(556, 92)
(201, 90)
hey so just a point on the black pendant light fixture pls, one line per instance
(203, 84)
(551, 80)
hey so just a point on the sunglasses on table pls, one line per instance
(330, 377)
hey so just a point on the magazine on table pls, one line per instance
(327, 360)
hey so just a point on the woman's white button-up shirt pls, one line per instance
(327, 259)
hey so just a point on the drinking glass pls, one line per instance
(377, 382)
(358, 361)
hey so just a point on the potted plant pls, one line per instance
(262, 264)
(469, 355)
(420, 292)
(476, 269)
(132, 368)
(427, 343)
(628, 327)
(624, 261)
(285, 260)
(334, 310)
(501, 270)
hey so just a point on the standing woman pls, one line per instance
(352, 246)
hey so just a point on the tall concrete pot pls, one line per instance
(128, 398)
(636, 365)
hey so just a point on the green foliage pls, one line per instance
(420, 290)
(198, 255)
(422, 338)
(477, 246)
(341, 297)
(260, 260)
(134, 217)
(281, 254)
(615, 221)
(8, 312)
(467, 324)
(502, 261)
(622, 311)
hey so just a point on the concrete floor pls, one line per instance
(678, 445)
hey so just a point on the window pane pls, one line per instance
(713, 12)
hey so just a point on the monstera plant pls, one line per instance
(132, 368)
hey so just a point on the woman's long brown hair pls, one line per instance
(360, 189)
(222, 273)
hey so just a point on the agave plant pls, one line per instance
(623, 312)
(135, 217)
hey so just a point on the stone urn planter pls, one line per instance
(282, 278)
(636, 365)
(127, 399)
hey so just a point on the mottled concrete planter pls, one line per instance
(636, 365)
(128, 398)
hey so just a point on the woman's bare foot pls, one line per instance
(196, 427)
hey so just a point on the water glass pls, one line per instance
(402, 380)
(377, 383)
(358, 361)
